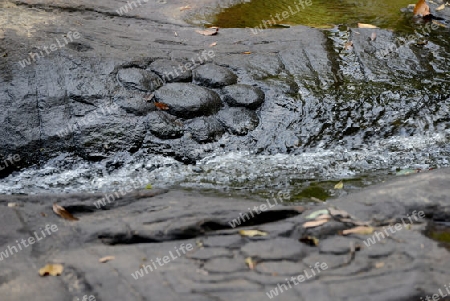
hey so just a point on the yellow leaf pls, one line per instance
(106, 259)
(52, 270)
(363, 25)
(441, 7)
(339, 185)
(439, 23)
(148, 186)
(310, 240)
(315, 223)
(252, 233)
(246, 52)
(359, 230)
(250, 263)
(63, 213)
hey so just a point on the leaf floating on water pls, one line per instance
(363, 230)
(441, 7)
(313, 224)
(148, 186)
(51, 269)
(250, 263)
(63, 213)
(209, 31)
(339, 185)
(405, 172)
(364, 25)
(310, 240)
(317, 213)
(252, 233)
(106, 259)
(161, 106)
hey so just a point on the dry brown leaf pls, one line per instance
(63, 213)
(364, 25)
(106, 259)
(252, 233)
(421, 9)
(316, 223)
(213, 44)
(348, 45)
(209, 31)
(379, 265)
(247, 52)
(185, 7)
(54, 269)
(250, 263)
(359, 230)
(373, 36)
(43, 214)
(441, 7)
(161, 106)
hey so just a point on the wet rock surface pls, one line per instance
(238, 121)
(243, 96)
(188, 100)
(317, 96)
(214, 76)
(139, 227)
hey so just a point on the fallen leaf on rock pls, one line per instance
(359, 230)
(379, 265)
(421, 9)
(348, 45)
(317, 213)
(339, 185)
(299, 209)
(63, 213)
(149, 97)
(439, 23)
(310, 240)
(364, 25)
(161, 106)
(373, 36)
(252, 233)
(12, 205)
(209, 31)
(314, 199)
(185, 7)
(51, 269)
(43, 214)
(441, 7)
(313, 224)
(175, 33)
(148, 186)
(247, 52)
(250, 263)
(106, 259)
(213, 44)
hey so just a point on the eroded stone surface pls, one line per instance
(238, 121)
(214, 76)
(139, 79)
(188, 100)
